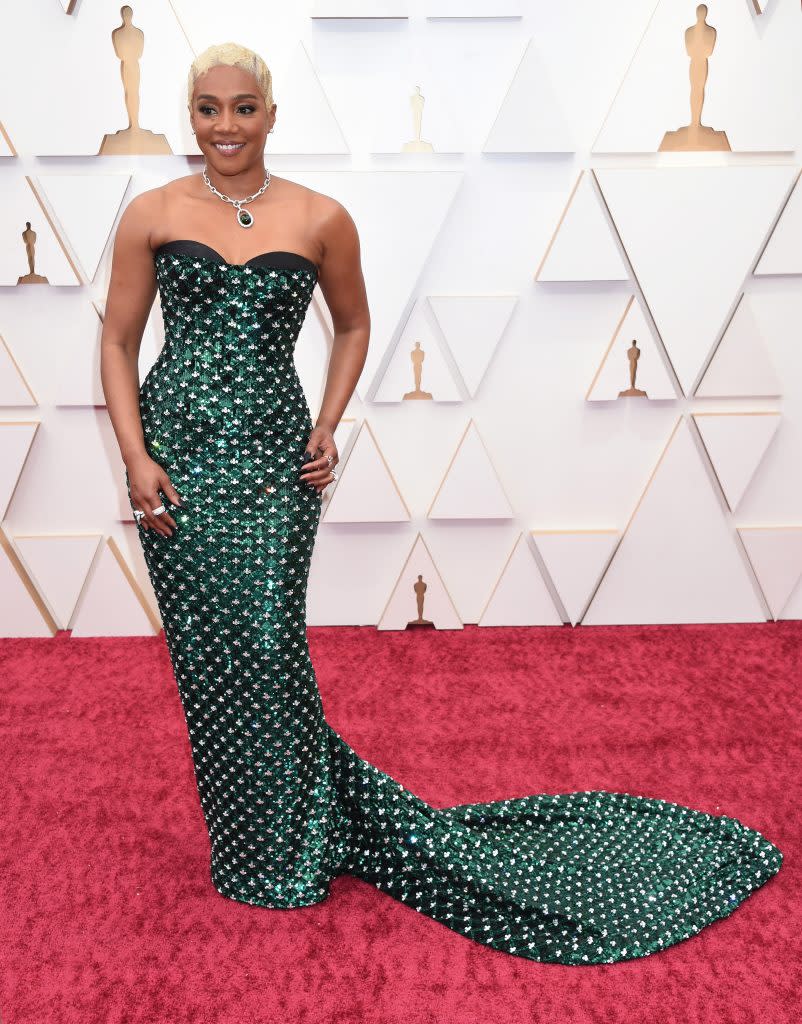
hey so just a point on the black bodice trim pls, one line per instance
(278, 259)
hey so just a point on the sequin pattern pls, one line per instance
(576, 878)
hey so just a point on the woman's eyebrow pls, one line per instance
(239, 96)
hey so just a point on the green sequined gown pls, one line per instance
(576, 878)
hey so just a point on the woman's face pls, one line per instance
(227, 107)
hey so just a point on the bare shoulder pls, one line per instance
(334, 225)
(145, 213)
(321, 207)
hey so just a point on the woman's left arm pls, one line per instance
(343, 286)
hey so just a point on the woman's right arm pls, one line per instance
(132, 289)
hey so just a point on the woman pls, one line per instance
(213, 443)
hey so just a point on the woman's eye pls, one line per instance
(242, 107)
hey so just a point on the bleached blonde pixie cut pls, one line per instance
(231, 55)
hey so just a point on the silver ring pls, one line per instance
(138, 514)
(158, 510)
(330, 459)
(334, 475)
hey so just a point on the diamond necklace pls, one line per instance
(244, 217)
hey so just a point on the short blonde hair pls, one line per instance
(232, 55)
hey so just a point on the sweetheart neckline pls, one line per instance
(218, 257)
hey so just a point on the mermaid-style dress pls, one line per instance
(575, 878)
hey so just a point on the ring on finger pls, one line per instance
(158, 510)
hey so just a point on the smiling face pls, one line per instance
(230, 118)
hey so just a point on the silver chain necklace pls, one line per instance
(244, 217)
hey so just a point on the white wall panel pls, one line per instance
(518, 516)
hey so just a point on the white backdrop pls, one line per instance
(523, 253)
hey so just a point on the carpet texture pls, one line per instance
(108, 914)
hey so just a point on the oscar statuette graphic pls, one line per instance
(29, 238)
(700, 39)
(420, 589)
(129, 42)
(417, 355)
(417, 144)
(633, 354)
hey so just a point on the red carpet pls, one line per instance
(109, 916)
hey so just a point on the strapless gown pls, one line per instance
(573, 878)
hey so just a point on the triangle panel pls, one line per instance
(740, 367)
(59, 564)
(472, 326)
(576, 560)
(520, 596)
(470, 488)
(633, 342)
(417, 370)
(689, 253)
(583, 247)
(776, 556)
(531, 118)
(365, 491)
(419, 596)
(70, 197)
(736, 444)
(678, 560)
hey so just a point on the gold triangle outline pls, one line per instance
(706, 415)
(443, 339)
(8, 141)
(344, 453)
(448, 470)
(706, 369)
(180, 23)
(624, 77)
(18, 370)
(27, 582)
(578, 530)
(395, 586)
(642, 301)
(548, 583)
(324, 93)
(438, 339)
(660, 351)
(90, 278)
(46, 213)
(634, 512)
(132, 582)
(740, 530)
(65, 536)
(21, 423)
(725, 511)
(556, 231)
(357, 435)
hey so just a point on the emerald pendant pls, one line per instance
(245, 219)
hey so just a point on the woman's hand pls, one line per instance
(145, 479)
(317, 473)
